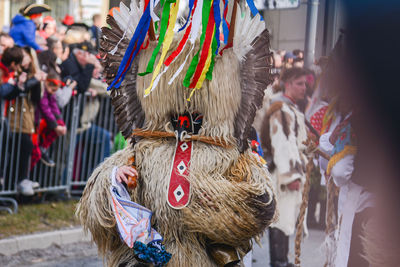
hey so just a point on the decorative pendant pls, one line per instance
(179, 187)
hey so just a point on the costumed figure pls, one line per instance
(354, 202)
(186, 101)
(283, 138)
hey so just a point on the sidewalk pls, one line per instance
(9, 246)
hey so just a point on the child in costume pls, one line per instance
(186, 103)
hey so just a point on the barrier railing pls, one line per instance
(93, 139)
(90, 129)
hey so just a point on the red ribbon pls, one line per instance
(56, 82)
(182, 43)
(205, 49)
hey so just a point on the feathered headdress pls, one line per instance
(186, 57)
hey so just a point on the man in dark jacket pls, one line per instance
(79, 65)
(23, 29)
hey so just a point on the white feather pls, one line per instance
(246, 29)
(127, 19)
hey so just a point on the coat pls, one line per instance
(25, 105)
(82, 75)
(49, 110)
(23, 32)
(283, 134)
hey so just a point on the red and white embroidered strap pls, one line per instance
(179, 187)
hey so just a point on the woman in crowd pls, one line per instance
(23, 108)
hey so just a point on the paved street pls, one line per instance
(311, 256)
(85, 254)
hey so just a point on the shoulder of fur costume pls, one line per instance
(274, 107)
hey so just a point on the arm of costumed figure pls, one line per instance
(94, 209)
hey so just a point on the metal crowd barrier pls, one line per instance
(94, 138)
(87, 142)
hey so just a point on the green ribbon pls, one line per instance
(211, 68)
(195, 60)
(163, 30)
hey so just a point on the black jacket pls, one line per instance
(82, 75)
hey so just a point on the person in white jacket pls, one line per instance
(282, 136)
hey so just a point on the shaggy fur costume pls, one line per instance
(233, 216)
(231, 196)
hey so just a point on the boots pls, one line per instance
(278, 248)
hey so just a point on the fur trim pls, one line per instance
(265, 131)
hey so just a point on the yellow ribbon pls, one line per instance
(167, 43)
(206, 66)
(348, 150)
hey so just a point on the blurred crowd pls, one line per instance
(43, 64)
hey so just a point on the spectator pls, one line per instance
(51, 124)
(53, 56)
(80, 66)
(288, 60)
(9, 89)
(95, 29)
(298, 62)
(68, 20)
(49, 27)
(29, 81)
(6, 41)
(277, 61)
(24, 25)
(298, 53)
(78, 32)
(10, 62)
(49, 61)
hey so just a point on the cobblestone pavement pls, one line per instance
(85, 255)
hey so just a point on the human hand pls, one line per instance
(41, 75)
(71, 83)
(22, 79)
(124, 172)
(294, 186)
(60, 130)
(64, 129)
(92, 92)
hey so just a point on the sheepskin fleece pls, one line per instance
(230, 217)
(231, 196)
(288, 133)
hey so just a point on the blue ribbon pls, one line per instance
(191, 4)
(225, 25)
(136, 41)
(217, 18)
(253, 8)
